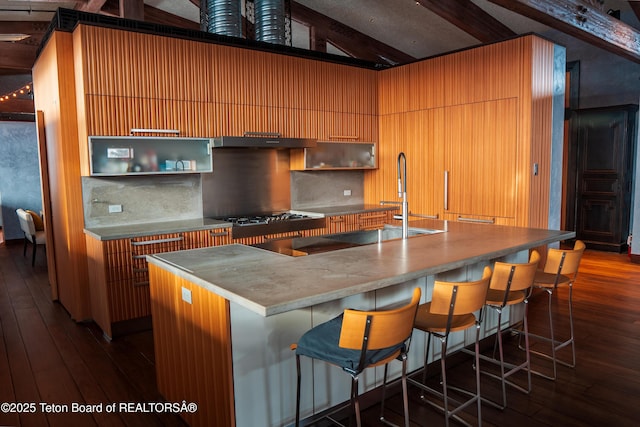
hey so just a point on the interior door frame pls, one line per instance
(569, 163)
(46, 204)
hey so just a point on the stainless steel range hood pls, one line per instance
(261, 140)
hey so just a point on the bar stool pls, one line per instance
(511, 284)
(560, 270)
(357, 340)
(451, 309)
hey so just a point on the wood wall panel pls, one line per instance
(53, 78)
(140, 65)
(207, 378)
(520, 70)
(488, 72)
(427, 131)
(475, 75)
(541, 92)
(482, 159)
(118, 115)
(97, 255)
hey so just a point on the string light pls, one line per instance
(24, 90)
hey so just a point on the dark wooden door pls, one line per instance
(605, 140)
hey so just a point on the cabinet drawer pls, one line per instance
(143, 246)
(372, 220)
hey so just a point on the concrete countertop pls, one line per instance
(343, 210)
(146, 229)
(269, 283)
(150, 228)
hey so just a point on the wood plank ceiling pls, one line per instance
(586, 20)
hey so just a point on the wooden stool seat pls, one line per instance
(452, 308)
(560, 270)
(357, 340)
(427, 321)
(511, 284)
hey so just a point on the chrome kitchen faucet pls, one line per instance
(402, 193)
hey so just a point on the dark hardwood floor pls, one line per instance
(47, 358)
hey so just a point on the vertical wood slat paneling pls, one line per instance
(179, 331)
(117, 293)
(488, 73)
(482, 159)
(139, 65)
(97, 255)
(474, 75)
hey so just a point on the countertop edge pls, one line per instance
(370, 282)
(142, 230)
(116, 232)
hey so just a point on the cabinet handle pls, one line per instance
(218, 233)
(483, 221)
(446, 190)
(436, 216)
(350, 137)
(288, 236)
(139, 256)
(335, 220)
(174, 131)
(153, 242)
(267, 134)
(140, 270)
(139, 284)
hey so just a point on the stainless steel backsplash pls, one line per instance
(246, 181)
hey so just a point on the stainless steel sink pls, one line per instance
(389, 232)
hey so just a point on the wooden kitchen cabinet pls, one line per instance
(372, 220)
(119, 275)
(424, 148)
(461, 160)
(481, 160)
(491, 111)
(360, 221)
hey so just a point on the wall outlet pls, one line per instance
(347, 192)
(186, 296)
(115, 208)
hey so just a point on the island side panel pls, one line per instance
(264, 366)
(192, 348)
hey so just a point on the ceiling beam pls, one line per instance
(17, 106)
(93, 6)
(18, 57)
(24, 27)
(132, 9)
(470, 18)
(157, 16)
(347, 39)
(582, 21)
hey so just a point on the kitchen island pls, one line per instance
(224, 317)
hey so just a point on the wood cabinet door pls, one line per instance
(424, 148)
(604, 146)
(480, 159)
